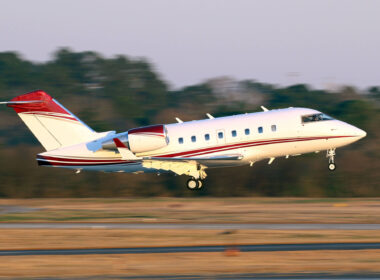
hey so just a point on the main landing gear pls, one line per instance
(194, 184)
(330, 155)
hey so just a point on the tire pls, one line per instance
(332, 166)
(200, 184)
(192, 184)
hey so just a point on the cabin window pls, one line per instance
(274, 127)
(316, 118)
(180, 140)
(260, 129)
(193, 138)
(207, 137)
(233, 133)
(246, 131)
(220, 135)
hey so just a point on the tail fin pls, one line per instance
(52, 124)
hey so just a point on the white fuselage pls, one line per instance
(255, 136)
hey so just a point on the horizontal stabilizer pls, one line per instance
(20, 102)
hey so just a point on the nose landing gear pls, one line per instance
(194, 184)
(330, 155)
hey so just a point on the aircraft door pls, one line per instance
(220, 136)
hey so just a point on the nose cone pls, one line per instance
(361, 133)
(346, 133)
(353, 132)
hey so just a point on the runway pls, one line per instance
(196, 249)
(229, 276)
(220, 226)
(188, 226)
(242, 276)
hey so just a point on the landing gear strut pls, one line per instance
(194, 184)
(330, 155)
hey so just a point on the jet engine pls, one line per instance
(141, 139)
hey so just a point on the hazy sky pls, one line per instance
(283, 42)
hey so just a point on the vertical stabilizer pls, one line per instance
(52, 124)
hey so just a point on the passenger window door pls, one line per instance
(220, 136)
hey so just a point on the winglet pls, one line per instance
(123, 150)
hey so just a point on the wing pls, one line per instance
(200, 160)
(191, 166)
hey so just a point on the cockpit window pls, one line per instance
(316, 118)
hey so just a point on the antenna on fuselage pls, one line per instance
(178, 120)
(209, 116)
(264, 109)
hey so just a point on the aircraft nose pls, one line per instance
(359, 133)
(353, 131)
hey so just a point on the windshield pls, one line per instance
(316, 118)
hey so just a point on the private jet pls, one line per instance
(182, 148)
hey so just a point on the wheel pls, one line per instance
(200, 183)
(192, 184)
(332, 166)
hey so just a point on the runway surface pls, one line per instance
(188, 226)
(230, 276)
(197, 249)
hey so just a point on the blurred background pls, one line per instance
(123, 64)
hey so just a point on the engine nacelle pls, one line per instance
(148, 138)
(141, 139)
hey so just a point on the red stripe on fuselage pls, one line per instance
(66, 161)
(54, 163)
(244, 145)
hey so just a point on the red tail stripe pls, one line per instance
(68, 117)
(48, 104)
